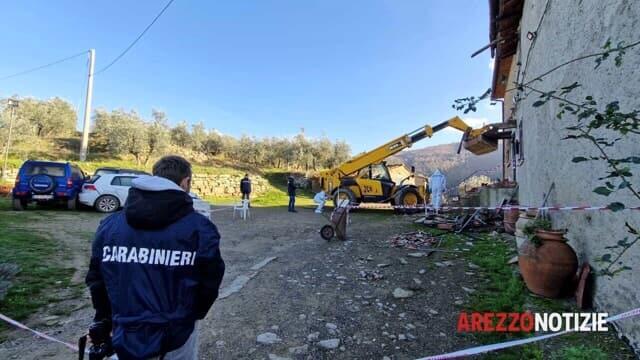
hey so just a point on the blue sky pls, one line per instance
(361, 71)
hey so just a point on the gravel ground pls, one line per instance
(310, 302)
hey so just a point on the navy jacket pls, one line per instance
(155, 269)
(291, 187)
(245, 185)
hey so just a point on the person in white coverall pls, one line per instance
(320, 199)
(437, 186)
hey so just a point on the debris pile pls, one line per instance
(480, 220)
(414, 240)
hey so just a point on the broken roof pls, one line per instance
(504, 21)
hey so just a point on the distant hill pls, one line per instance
(455, 166)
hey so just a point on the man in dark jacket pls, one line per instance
(245, 187)
(291, 190)
(155, 267)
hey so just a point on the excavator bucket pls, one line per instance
(480, 145)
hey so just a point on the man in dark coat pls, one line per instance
(291, 190)
(245, 187)
(155, 267)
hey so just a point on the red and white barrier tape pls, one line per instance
(507, 344)
(510, 207)
(37, 333)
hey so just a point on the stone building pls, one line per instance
(532, 38)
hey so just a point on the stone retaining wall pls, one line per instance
(226, 185)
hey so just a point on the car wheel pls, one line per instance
(107, 204)
(19, 204)
(72, 203)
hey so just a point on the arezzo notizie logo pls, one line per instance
(531, 322)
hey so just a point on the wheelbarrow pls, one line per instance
(337, 224)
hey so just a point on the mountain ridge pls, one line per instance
(455, 166)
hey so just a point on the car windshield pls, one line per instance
(53, 170)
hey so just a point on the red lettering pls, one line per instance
(513, 325)
(476, 321)
(526, 326)
(488, 321)
(502, 317)
(463, 323)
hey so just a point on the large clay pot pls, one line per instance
(549, 268)
(509, 221)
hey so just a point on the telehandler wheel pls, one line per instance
(409, 199)
(344, 194)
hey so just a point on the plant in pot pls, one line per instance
(547, 263)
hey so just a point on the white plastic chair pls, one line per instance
(243, 208)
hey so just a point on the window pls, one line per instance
(53, 170)
(379, 172)
(364, 173)
(76, 173)
(122, 180)
(105, 172)
(520, 148)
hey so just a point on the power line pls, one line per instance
(43, 66)
(136, 40)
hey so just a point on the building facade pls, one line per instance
(536, 37)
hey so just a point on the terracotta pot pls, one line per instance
(509, 221)
(557, 235)
(549, 268)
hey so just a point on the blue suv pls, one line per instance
(47, 181)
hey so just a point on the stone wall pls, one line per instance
(571, 29)
(11, 174)
(226, 185)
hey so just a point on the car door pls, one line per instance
(120, 185)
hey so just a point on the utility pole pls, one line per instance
(87, 107)
(12, 104)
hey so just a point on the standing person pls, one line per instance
(245, 188)
(291, 190)
(155, 268)
(437, 186)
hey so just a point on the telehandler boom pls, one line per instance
(366, 178)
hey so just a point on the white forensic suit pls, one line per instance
(320, 199)
(437, 187)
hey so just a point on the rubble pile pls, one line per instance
(414, 240)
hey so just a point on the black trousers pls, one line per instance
(292, 202)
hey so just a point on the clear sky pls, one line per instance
(364, 71)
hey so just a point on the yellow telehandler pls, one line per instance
(365, 178)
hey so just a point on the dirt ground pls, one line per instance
(312, 291)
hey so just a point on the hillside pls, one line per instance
(456, 166)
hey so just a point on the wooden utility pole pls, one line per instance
(87, 108)
(12, 104)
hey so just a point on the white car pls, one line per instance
(108, 193)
